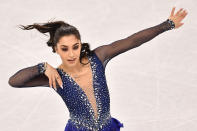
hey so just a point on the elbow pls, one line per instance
(12, 83)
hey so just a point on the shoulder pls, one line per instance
(100, 52)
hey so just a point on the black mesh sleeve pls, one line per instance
(29, 77)
(107, 52)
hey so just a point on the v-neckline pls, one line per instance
(78, 86)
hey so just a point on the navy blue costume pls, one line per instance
(81, 112)
(82, 116)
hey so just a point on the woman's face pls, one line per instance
(69, 47)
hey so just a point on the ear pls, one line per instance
(56, 49)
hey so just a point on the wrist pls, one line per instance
(42, 67)
(171, 24)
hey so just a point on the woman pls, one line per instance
(80, 79)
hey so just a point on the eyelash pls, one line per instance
(65, 49)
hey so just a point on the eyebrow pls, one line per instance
(67, 46)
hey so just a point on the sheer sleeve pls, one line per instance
(107, 52)
(29, 77)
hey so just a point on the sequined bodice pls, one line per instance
(80, 108)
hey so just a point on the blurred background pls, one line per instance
(152, 87)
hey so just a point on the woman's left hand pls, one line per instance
(178, 17)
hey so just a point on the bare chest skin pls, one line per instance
(84, 78)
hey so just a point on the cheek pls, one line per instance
(63, 54)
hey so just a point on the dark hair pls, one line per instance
(57, 29)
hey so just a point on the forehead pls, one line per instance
(68, 40)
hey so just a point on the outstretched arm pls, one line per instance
(29, 77)
(107, 52)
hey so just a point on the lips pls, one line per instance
(71, 59)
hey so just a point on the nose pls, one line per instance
(70, 54)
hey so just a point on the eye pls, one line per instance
(64, 49)
(76, 47)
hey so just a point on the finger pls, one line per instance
(181, 13)
(182, 16)
(59, 80)
(54, 84)
(50, 82)
(57, 84)
(178, 13)
(172, 12)
(184, 13)
(181, 24)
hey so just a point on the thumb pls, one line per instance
(180, 25)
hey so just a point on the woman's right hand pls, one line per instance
(53, 75)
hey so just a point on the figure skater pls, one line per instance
(80, 78)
